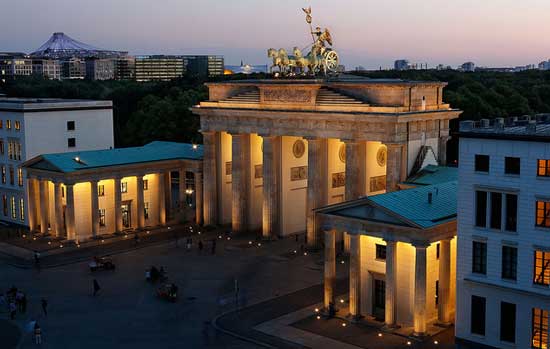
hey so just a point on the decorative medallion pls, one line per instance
(299, 148)
(382, 155)
(342, 153)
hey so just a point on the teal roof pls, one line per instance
(152, 152)
(433, 174)
(406, 206)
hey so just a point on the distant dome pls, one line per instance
(63, 46)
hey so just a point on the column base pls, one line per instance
(443, 324)
(390, 327)
(419, 335)
(354, 318)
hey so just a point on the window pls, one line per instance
(102, 217)
(509, 262)
(70, 126)
(477, 316)
(18, 151)
(5, 204)
(2, 147)
(543, 214)
(437, 293)
(100, 190)
(145, 184)
(543, 168)
(123, 187)
(380, 252)
(482, 163)
(146, 210)
(512, 165)
(1, 124)
(20, 176)
(13, 208)
(539, 324)
(481, 209)
(479, 257)
(3, 174)
(8, 124)
(17, 125)
(22, 210)
(10, 150)
(71, 142)
(511, 212)
(542, 268)
(496, 210)
(507, 322)
(437, 250)
(12, 176)
(62, 192)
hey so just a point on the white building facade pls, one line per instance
(503, 256)
(29, 127)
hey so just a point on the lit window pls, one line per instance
(146, 210)
(12, 176)
(8, 124)
(123, 187)
(20, 176)
(22, 209)
(102, 217)
(543, 214)
(17, 125)
(145, 184)
(543, 168)
(539, 325)
(13, 208)
(3, 174)
(101, 190)
(1, 124)
(542, 268)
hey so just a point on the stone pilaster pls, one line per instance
(316, 186)
(330, 267)
(442, 151)
(58, 202)
(118, 205)
(391, 283)
(182, 187)
(271, 168)
(420, 290)
(240, 182)
(44, 206)
(140, 202)
(69, 213)
(198, 198)
(168, 193)
(95, 207)
(355, 276)
(444, 306)
(162, 198)
(355, 169)
(396, 165)
(210, 195)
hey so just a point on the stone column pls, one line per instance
(44, 206)
(118, 206)
(442, 151)
(271, 168)
(444, 311)
(162, 199)
(210, 195)
(168, 193)
(391, 283)
(396, 168)
(181, 189)
(69, 212)
(355, 276)
(330, 267)
(316, 186)
(140, 202)
(31, 203)
(198, 198)
(58, 200)
(240, 177)
(355, 169)
(420, 290)
(95, 208)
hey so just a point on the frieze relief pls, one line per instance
(287, 95)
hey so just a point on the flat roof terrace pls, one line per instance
(27, 105)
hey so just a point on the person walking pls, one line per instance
(96, 287)
(37, 334)
(189, 244)
(44, 303)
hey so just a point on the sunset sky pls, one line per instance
(371, 33)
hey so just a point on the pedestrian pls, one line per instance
(136, 239)
(37, 333)
(13, 310)
(213, 246)
(189, 243)
(96, 287)
(44, 303)
(201, 246)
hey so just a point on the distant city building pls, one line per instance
(545, 65)
(48, 68)
(245, 69)
(29, 127)
(13, 65)
(125, 68)
(158, 68)
(203, 66)
(468, 67)
(73, 69)
(100, 68)
(503, 274)
(401, 64)
(61, 46)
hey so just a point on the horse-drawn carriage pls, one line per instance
(320, 59)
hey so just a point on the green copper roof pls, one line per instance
(432, 174)
(408, 207)
(83, 160)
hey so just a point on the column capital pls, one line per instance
(420, 244)
(394, 145)
(264, 135)
(352, 140)
(390, 240)
(207, 132)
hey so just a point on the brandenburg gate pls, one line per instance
(275, 150)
